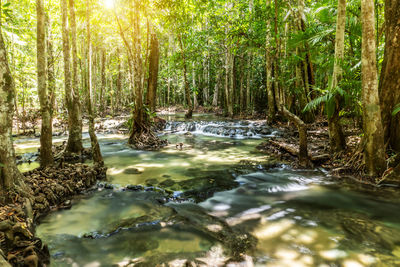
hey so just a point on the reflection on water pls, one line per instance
(300, 218)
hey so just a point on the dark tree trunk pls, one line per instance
(389, 86)
(189, 113)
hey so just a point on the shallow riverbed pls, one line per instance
(299, 218)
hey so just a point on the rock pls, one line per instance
(167, 183)
(5, 225)
(31, 261)
(132, 171)
(22, 229)
(151, 182)
(135, 187)
(166, 176)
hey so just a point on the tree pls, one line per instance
(46, 154)
(389, 86)
(337, 139)
(74, 144)
(97, 157)
(153, 72)
(189, 102)
(10, 176)
(374, 150)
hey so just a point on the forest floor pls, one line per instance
(50, 189)
(348, 163)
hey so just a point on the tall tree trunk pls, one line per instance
(103, 81)
(46, 137)
(74, 144)
(10, 176)
(195, 88)
(336, 136)
(118, 91)
(389, 86)
(189, 113)
(242, 93)
(153, 72)
(97, 157)
(216, 89)
(51, 64)
(272, 104)
(374, 150)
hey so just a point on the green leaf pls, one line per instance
(2, 165)
(396, 110)
(330, 107)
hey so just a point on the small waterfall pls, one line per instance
(236, 129)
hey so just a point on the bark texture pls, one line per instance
(97, 157)
(389, 86)
(374, 151)
(74, 144)
(46, 137)
(189, 113)
(336, 136)
(268, 70)
(9, 173)
(153, 72)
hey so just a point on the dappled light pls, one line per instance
(199, 133)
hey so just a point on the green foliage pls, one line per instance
(396, 110)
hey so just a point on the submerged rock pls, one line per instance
(132, 171)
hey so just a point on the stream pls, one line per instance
(219, 185)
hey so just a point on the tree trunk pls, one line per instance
(242, 93)
(336, 136)
(103, 81)
(269, 69)
(153, 73)
(189, 113)
(389, 86)
(216, 89)
(374, 150)
(304, 159)
(74, 144)
(97, 157)
(51, 62)
(228, 82)
(195, 88)
(46, 137)
(118, 91)
(9, 173)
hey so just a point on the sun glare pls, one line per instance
(108, 3)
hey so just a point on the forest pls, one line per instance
(199, 133)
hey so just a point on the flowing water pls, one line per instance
(299, 217)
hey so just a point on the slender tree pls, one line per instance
(337, 139)
(268, 69)
(374, 150)
(46, 154)
(10, 176)
(97, 157)
(189, 113)
(74, 144)
(153, 72)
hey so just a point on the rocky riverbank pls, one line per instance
(52, 188)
